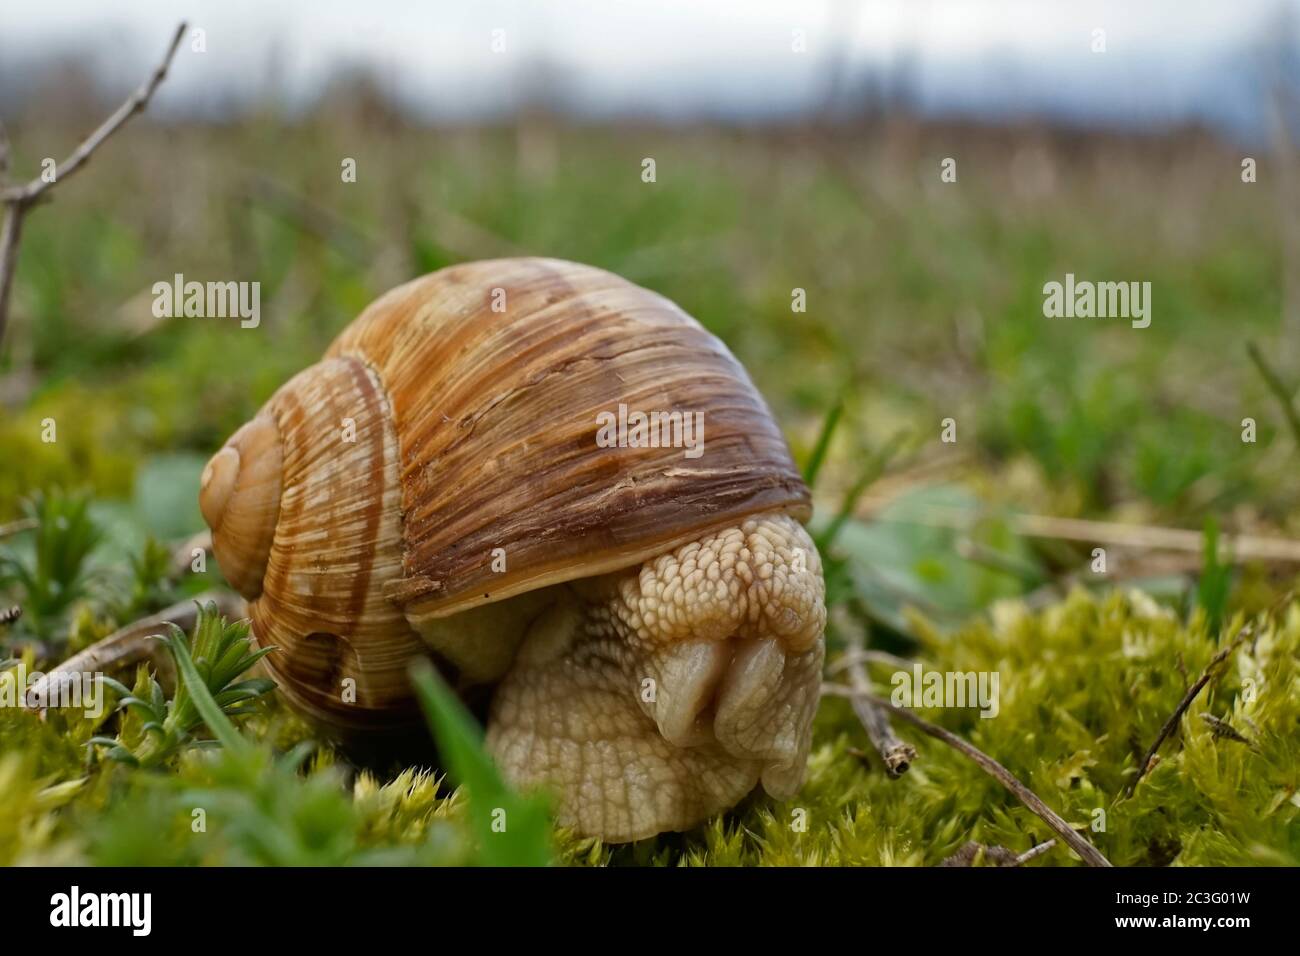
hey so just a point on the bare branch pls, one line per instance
(1033, 852)
(1089, 853)
(1186, 702)
(133, 644)
(136, 103)
(4, 150)
(1238, 548)
(19, 200)
(971, 852)
(14, 527)
(10, 233)
(896, 754)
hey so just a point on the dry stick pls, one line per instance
(1186, 702)
(19, 200)
(10, 233)
(1239, 547)
(867, 657)
(14, 527)
(134, 643)
(970, 851)
(1078, 844)
(1034, 851)
(896, 754)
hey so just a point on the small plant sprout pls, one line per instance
(208, 691)
(53, 573)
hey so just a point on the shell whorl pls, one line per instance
(239, 496)
(316, 588)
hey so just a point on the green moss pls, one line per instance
(1085, 687)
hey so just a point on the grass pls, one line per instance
(923, 303)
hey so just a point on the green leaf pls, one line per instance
(818, 456)
(526, 837)
(1216, 580)
(217, 722)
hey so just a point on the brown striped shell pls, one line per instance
(443, 456)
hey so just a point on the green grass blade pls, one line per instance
(221, 728)
(818, 456)
(512, 830)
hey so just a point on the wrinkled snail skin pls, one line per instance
(663, 695)
(652, 624)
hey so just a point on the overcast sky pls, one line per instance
(1165, 60)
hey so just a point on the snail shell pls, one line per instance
(367, 500)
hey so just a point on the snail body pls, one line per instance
(456, 478)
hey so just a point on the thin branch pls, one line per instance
(898, 755)
(1186, 702)
(970, 852)
(1239, 548)
(4, 150)
(133, 644)
(1089, 853)
(1276, 386)
(843, 661)
(1029, 854)
(136, 103)
(14, 527)
(19, 200)
(10, 233)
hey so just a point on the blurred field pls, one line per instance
(924, 299)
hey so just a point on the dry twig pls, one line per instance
(1089, 853)
(1186, 702)
(14, 527)
(897, 754)
(1237, 548)
(133, 644)
(971, 851)
(19, 200)
(1034, 851)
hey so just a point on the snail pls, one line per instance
(644, 604)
